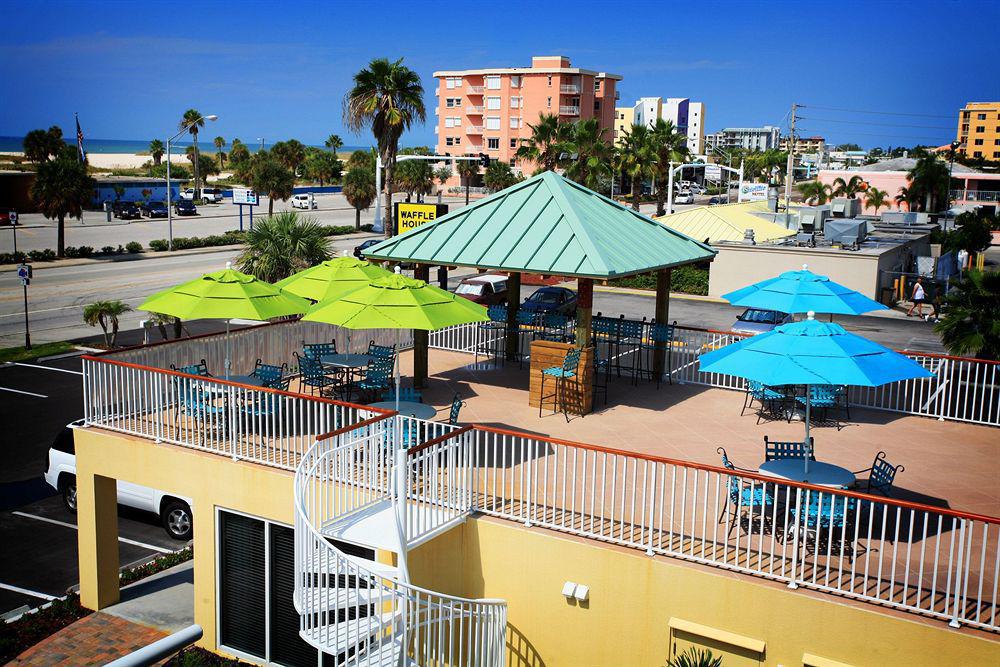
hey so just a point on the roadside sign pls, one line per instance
(24, 274)
(753, 192)
(411, 216)
(244, 196)
(713, 172)
(13, 217)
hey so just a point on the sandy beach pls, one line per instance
(122, 160)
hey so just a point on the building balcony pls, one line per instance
(473, 129)
(474, 90)
(474, 109)
(976, 195)
(569, 111)
(569, 89)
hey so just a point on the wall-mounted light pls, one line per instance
(574, 591)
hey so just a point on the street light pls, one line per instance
(170, 216)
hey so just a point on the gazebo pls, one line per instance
(550, 226)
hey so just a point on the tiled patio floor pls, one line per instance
(948, 464)
(94, 640)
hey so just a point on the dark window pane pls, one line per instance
(287, 647)
(241, 583)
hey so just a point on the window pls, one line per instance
(597, 105)
(977, 154)
(493, 122)
(449, 121)
(996, 142)
(981, 116)
(548, 102)
(458, 141)
(979, 142)
(516, 102)
(448, 141)
(493, 143)
(980, 128)
(996, 154)
(515, 81)
(965, 127)
(453, 82)
(550, 80)
(597, 86)
(515, 122)
(493, 103)
(513, 142)
(493, 83)
(452, 102)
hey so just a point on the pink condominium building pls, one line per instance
(488, 110)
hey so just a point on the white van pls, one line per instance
(306, 201)
(174, 511)
(213, 195)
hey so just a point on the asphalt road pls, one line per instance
(38, 559)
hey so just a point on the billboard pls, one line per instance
(410, 216)
(713, 172)
(753, 192)
(244, 196)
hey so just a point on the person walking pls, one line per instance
(918, 296)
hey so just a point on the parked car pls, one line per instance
(185, 207)
(60, 473)
(684, 197)
(360, 249)
(757, 320)
(714, 200)
(153, 209)
(306, 201)
(211, 195)
(551, 300)
(5, 218)
(697, 189)
(487, 289)
(126, 210)
(188, 194)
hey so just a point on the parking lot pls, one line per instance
(38, 560)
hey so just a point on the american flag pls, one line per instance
(79, 140)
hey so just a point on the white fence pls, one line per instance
(912, 557)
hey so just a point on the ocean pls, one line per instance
(129, 146)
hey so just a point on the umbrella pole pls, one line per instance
(808, 442)
(397, 370)
(227, 350)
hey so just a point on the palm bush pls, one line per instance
(876, 199)
(193, 121)
(270, 176)
(106, 314)
(695, 657)
(814, 192)
(970, 325)
(590, 153)
(467, 170)
(848, 188)
(499, 176)
(359, 191)
(283, 244)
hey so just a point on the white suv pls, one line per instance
(174, 511)
(212, 195)
(306, 201)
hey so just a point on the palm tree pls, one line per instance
(929, 180)
(875, 198)
(290, 153)
(334, 142)
(106, 313)
(636, 159)
(156, 150)
(359, 190)
(271, 177)
(971, 321)
(849, 188)
(388, 97)
(499, 176)
(238, 153)
(467, 170)
(814, 192)
(220, 143)
(192, 121)
(669, 146)
(442, 174)
(62, 188)
(591, 153)
(903, 197)
(283, 244)
(41, 145)
(414, 177)
(546, 146)
(363, 160)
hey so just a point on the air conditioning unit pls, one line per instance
(899, 218)
(805, 239)
(845, 231)
(813, 218)
(843, 207)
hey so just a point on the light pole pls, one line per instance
(170, 214)
(261, 140)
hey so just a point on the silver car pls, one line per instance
(753, 321)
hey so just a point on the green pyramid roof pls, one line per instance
(548, 225)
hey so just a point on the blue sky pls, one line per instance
(280, 70)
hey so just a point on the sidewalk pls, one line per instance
(164, 601)
(94, 640)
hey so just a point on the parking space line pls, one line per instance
(134, 543)
(48, 368)
(25, 591)
(27, 393)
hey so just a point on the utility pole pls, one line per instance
(791, 160)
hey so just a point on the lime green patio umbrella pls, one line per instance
(225, 295)
(332, 279)
(397, 302)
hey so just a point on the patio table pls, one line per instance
(409, 408)
(348, 361)
(820, 474)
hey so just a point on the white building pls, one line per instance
(687, 116)
(749, 138)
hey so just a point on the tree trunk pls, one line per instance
(270, 205)
(61, 237)
(163, 330)
(467, 191)
(114, 331)
(357, 218)
(636, 193)
(104, 328)
(388, 165)
(661, 198)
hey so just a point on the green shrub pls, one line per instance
(107, 250)
(12, 257)
(133, 247)
(85, 251)
(158, 564)
(20, 635)
(195, 656)
(71, 251)
(158, 245)
(685, 279)
(46, 255)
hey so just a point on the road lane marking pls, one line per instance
(134, 543)
(25, 591)
(18, 391)
(48, 368)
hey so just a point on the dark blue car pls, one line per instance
(153, 209)
(551, 300)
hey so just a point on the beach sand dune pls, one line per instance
(122, 160)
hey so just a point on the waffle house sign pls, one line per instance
(411, 216)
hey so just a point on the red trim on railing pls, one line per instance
(440, 438)
(747, 475)
(187, 338)
(269, 390)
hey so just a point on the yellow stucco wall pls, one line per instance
(632, 597)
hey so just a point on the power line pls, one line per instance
(878, 113)
(868, 122)
(891, 136)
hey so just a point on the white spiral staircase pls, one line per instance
(354, 487)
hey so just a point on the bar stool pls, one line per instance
(630, 337)
(560, 374)
(493, 334)
(661, 336)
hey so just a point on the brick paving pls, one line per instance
(94, 640)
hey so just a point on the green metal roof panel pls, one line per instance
(549, 225)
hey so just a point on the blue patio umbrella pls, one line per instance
(801, 292)
(811, 352)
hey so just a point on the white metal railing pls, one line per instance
(569, 111)
(474, 129)
(907, 556)
(473, 108)
(475, 90)
(976, 195)
(570, 88)
(438, 484)
(351, 606)
(963, 389)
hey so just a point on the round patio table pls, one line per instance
(820, 474)
(409, 408)
(250, 380)
(349, 361)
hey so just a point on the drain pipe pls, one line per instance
(161, 649)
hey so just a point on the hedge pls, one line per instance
(685, 279)
(70, 252)
(232, 237)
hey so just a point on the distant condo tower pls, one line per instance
(489, 110)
